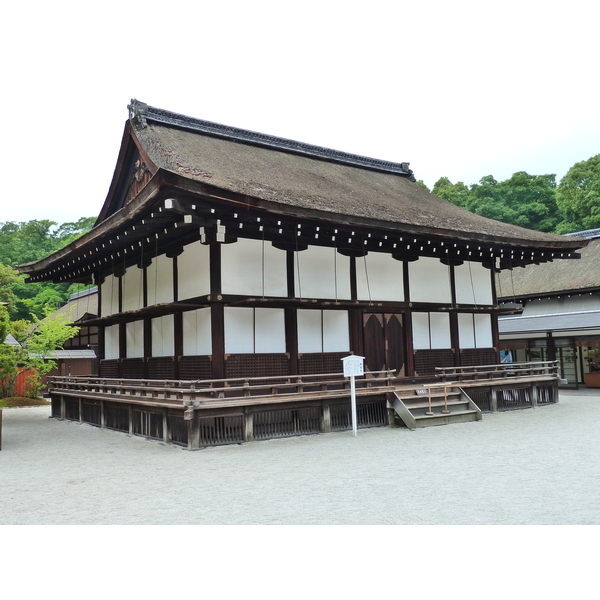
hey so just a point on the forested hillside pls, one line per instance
(534, 201)
(29, 241)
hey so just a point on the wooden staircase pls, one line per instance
(434, 405)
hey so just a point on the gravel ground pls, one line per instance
(534, 466)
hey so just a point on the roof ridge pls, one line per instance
(141, 113)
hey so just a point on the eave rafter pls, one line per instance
(174, 217)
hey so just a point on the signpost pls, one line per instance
(354, 366)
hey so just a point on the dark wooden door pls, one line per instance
(383, 336)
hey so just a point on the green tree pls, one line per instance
(578, 196)
(525, 200)
(37, 343)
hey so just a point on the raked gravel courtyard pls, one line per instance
(533, 466)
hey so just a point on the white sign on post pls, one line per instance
(354, 366)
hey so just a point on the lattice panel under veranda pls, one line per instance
(56, 404)
(547, 394)
(92, 412)
(116, 417)
(178, 428)
(482, 397)
(148, 424)
(287, 422)
(368, 414)
(71, 409)
(509, 399)
(217, 431)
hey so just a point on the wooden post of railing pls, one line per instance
(445, 411)
(430, 411)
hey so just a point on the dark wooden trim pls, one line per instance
(122, 340)
(147, 337)
(290, 270)
(120, 279)
(454, 336)
(145, 286)
(178, 342)
(408, 340)
(291, 338)
(175, 279)
(357, 344)
(353, 284)
(452, 287)
(406, 281)
(215, 268)
(218, 340)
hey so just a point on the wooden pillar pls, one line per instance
(178, 325)
(326, 417)
(291, 338)
(455, 338)
(194, 432)
(217, 316)
(248, 424)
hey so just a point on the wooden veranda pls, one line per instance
(197, 414)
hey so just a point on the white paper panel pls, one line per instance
(439, 330)
(473, 284)
(193, 271)
(134, 335)
(321, 273)
(160, 280)
(111, 342)
(466, 330)
(336, 331)
(310, 331)
(239, 330)
(420, 326)
(429, 281)
(133, 292)
(385, 277)
(163, 336)
(197, 339)
(109, 296)
(483, 331)
(269, 330)
(243, 269)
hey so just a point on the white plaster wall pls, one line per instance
(466, 330)
(336, 331)
(483, 331)
(163, 336)
(160, 280)
(473, 284)
(439, 328)
(381, 275)
(431, 331)
(249, 267)
(310, 331)
(109, 296)
(420, 327)
(197, 332)
(134, 336)
(429, 281)
(193, 271)
(321, 273)
(111, 342)
(239, 330)
(269, 330)
(133, 292)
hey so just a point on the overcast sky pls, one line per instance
(458, 89)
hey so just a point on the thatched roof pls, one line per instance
(554, 277)
(283, 172)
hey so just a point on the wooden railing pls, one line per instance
(188, 393)
(484, 373)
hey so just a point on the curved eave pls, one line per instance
(193, 204)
